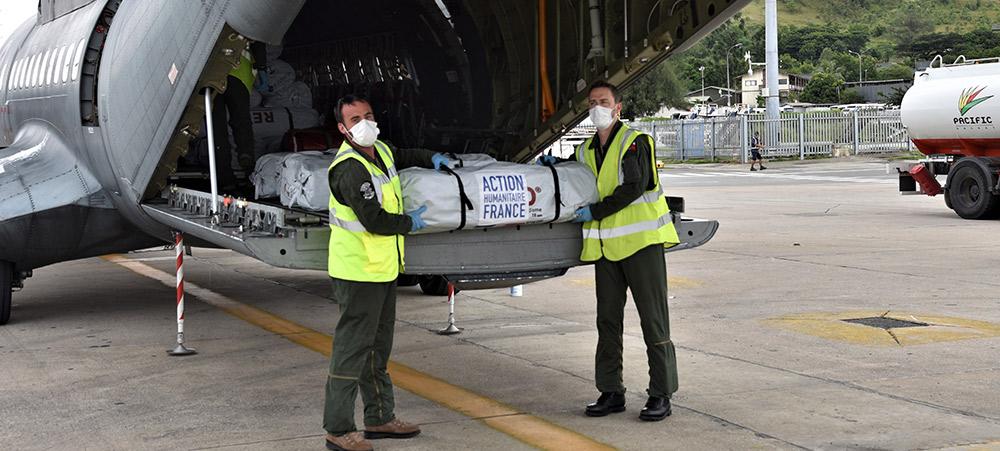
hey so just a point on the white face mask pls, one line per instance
(364, 133)
(602, 116)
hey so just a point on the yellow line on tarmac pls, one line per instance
(527, 428)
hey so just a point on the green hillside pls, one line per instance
(821, 40)
(945, 16)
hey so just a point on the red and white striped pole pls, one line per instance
(179, 248)
(452, 329)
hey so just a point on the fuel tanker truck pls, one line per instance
(952, 114)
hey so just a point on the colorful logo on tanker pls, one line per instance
(970, 98)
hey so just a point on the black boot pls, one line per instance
(656, 409)
(607, 403)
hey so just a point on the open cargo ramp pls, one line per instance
(483, 258)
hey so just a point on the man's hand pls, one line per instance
(440, 160)
(583, 215)
(546, 160)
(418, 222)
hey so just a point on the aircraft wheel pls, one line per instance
(969, 191)
(434, 285)
(6, 290)
(407, 280)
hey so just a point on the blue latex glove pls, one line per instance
(440, 160)
(583, 214)
(546, 160)
(263, 85)
(418, 222)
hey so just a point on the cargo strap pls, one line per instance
(464, 199)
(558, 196)
(454, 156)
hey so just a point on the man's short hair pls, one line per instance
(349, 99)
(603, 84)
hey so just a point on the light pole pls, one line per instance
(859, 65)
(729, 101)
(702, 70)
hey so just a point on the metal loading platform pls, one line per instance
(475, 258)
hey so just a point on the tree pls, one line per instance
(823, 88)
(895, 72)
(658, 88)
(894, 98)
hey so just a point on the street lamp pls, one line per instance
(859, 64)
(702, 70)
(729, 101)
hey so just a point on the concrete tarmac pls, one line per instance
(765, 358)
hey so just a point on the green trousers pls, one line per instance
(645, 273)
(361, 347)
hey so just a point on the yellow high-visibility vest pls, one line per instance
(644, 222)
(245, 71)
(354, 253)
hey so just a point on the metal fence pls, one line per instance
(792, 135)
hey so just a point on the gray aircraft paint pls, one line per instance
(70, 188)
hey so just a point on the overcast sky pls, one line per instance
(13, 13)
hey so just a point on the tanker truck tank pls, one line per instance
(955, 109)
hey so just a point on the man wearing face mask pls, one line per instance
(624, 235)
(367, 224)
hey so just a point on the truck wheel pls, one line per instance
(6, 290)
(969, 194)
(434, 285)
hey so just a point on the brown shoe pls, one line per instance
(351, 441)
(392, 429)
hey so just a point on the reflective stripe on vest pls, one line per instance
(354, 253)
(645, 221)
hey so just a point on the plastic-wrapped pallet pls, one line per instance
(498, 194)
(266, 177)
(304, 181)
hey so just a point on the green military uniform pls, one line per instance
(233, 106)
(367, 224)
(631, 226)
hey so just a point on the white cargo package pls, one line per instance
(498, 194)
(304, 182)
(271, 124)
(266, 177)
(471, 160)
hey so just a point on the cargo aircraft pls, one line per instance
(99, 99)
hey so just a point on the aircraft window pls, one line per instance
(14, 75)
(63, 55)
(77, 59)
(52, 67)
(46, 77)
(35, 67)
(57, 64)
(36, 78)
(51, 78)
(22, 81)
(22, 76)
(66, 63)
(42, 68)
(33, 71)
(20, 73)
(25, 71)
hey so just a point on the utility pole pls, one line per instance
(729, 86)
(771, 44)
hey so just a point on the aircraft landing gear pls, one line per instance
(6, 290)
